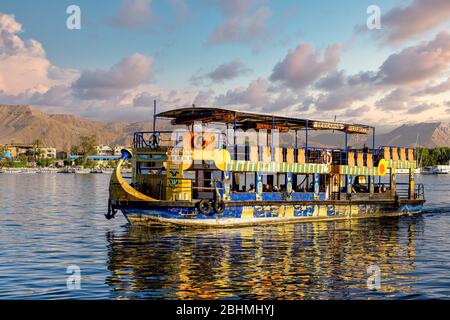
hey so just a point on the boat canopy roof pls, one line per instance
(248, 120)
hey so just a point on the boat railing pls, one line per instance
(419, 191)
(334, 156)
(362, 157)
(174, 139)
(403, 190)
(395, 153)
(153, 139)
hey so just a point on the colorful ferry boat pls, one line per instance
(225, 168)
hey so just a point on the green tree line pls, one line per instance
(433, 156)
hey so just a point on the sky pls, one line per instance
(313, 59)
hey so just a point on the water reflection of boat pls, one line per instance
(326, 260)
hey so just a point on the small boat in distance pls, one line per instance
(439, 169)
(225, 168)
(81, 170)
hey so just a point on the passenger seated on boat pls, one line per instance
(357, 188)
(282, 187)
(244, 188)
(252, 188)
(275, 189)
(267, 188)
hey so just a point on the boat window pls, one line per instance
(189, 175)
(303, 183)
(360, 185)
(150, 168)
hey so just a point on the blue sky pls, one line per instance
(98, 45)
(176, 37)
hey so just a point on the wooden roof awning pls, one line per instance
(247, 120)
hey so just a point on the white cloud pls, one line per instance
(224, 72)
(23, 63)
(404, 22)
(244, 21)
(103, 84)
(303, 66)
(417, 63)
(133, 14)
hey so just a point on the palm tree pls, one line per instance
(37, 144)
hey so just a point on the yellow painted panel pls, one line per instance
(290, 155)
(402, 154)
(351, 159)
(395, 154)
(387, 153)
(278, 155)
(254, 156)
(247, 213)
(266, 155)
(410, 154)
(323, 211)
(289, 212)
(355, 210)
(359, 159)
(301, 158)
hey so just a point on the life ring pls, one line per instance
(219, 207)
(382, 168)
(202, 141)
(204, 206)
(327, 157)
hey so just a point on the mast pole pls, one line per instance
(234, 135)
(373, 140)
(306, 142)
(272, 153)
(154, 115)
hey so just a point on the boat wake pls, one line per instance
(445, 209)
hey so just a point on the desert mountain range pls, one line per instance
(24, 124)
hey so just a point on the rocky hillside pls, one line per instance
(24, 124)
(420, 134)
(423, 134)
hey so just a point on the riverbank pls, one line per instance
(67, 170)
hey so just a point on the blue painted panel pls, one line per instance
(260, 211)
(182, 213)
(268, 196)
(242, 196)
(302, 196)
(303, 211)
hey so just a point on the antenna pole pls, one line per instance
(154, 115)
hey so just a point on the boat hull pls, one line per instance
(249, 215)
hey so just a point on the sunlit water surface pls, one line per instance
(49, 222)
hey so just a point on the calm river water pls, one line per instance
(49, 222)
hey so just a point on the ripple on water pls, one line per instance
(49, 222)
